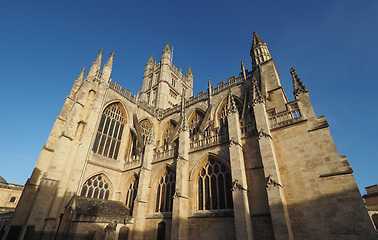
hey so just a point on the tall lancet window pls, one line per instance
(168, 132)
(214, 186)
(195, 123)
(134, 146)
(165, 191)
(96, 187)
(223, 114)
(109, 134)
(131, 193)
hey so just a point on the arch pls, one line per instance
(195, 120)
(220, 109)
(160, 172)
(123, 107)
(160, 232)
(131, 193)
(214, 186)
(110, 130)
(200, 164)
(97, 186)
(123, 233)
(167, 132)
(165, 190)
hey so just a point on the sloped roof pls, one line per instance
(2, 180)
(98, 207)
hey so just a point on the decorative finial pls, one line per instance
(256, 40)
(189, 72)
(231, 106)
(256, 94)
(184, 125)
(299, 88)
(109, 63)
(167, 48)
(150, 60)
(98, 59)
(81, 75)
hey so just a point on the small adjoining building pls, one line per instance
(9, 196)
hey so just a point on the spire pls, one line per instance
(210, 88)
(189, 72)
(77, 83)
(167, 49)
(257, 40)
(299, 88)
(243, 70)
(106, 71)
(109, 63)
(95, 65)
(231, 106)
(81, 75)
(259, 51)
(256, 94)
(150, 61)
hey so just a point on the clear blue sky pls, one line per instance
(44, 45)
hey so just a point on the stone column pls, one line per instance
(242, 216)
(140, 205)
(276, 197)
(180, 198)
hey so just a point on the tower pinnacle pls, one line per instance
(299, 88)
(96, 65)
(259, 51)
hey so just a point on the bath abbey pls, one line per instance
(236, 161)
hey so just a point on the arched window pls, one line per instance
(168, 132)
(214, 186)
(134, 149)
(96, 187)
(109, 134)
(131, 194)
(195, 123)
(145, 127)
(223, 114)
(165, 191)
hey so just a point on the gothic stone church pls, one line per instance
(237, 161)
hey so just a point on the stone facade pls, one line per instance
(237, 161)
(371, 203)
(9, 196)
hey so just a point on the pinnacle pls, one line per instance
(167, 48)
(110, 60)
(151, 60)
(189, 72)
(257, 40)
(299, 88)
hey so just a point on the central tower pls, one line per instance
(164, 84)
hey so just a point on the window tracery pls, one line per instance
(109, 134)
(169, 130)
(134, 147)
(223, 123)
(214, 186)
(165, 191)
(131, 194)
(195, 123)
(96, 187)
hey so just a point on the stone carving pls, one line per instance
(262, 134)
(234, 142)
(237, 185)
(270, 182)
(110, 231)
(256, 93)
(231, 106)
(299, 88)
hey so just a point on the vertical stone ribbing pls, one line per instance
(140, 205)
(276, 197)
(180, 198)
(242, 216)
